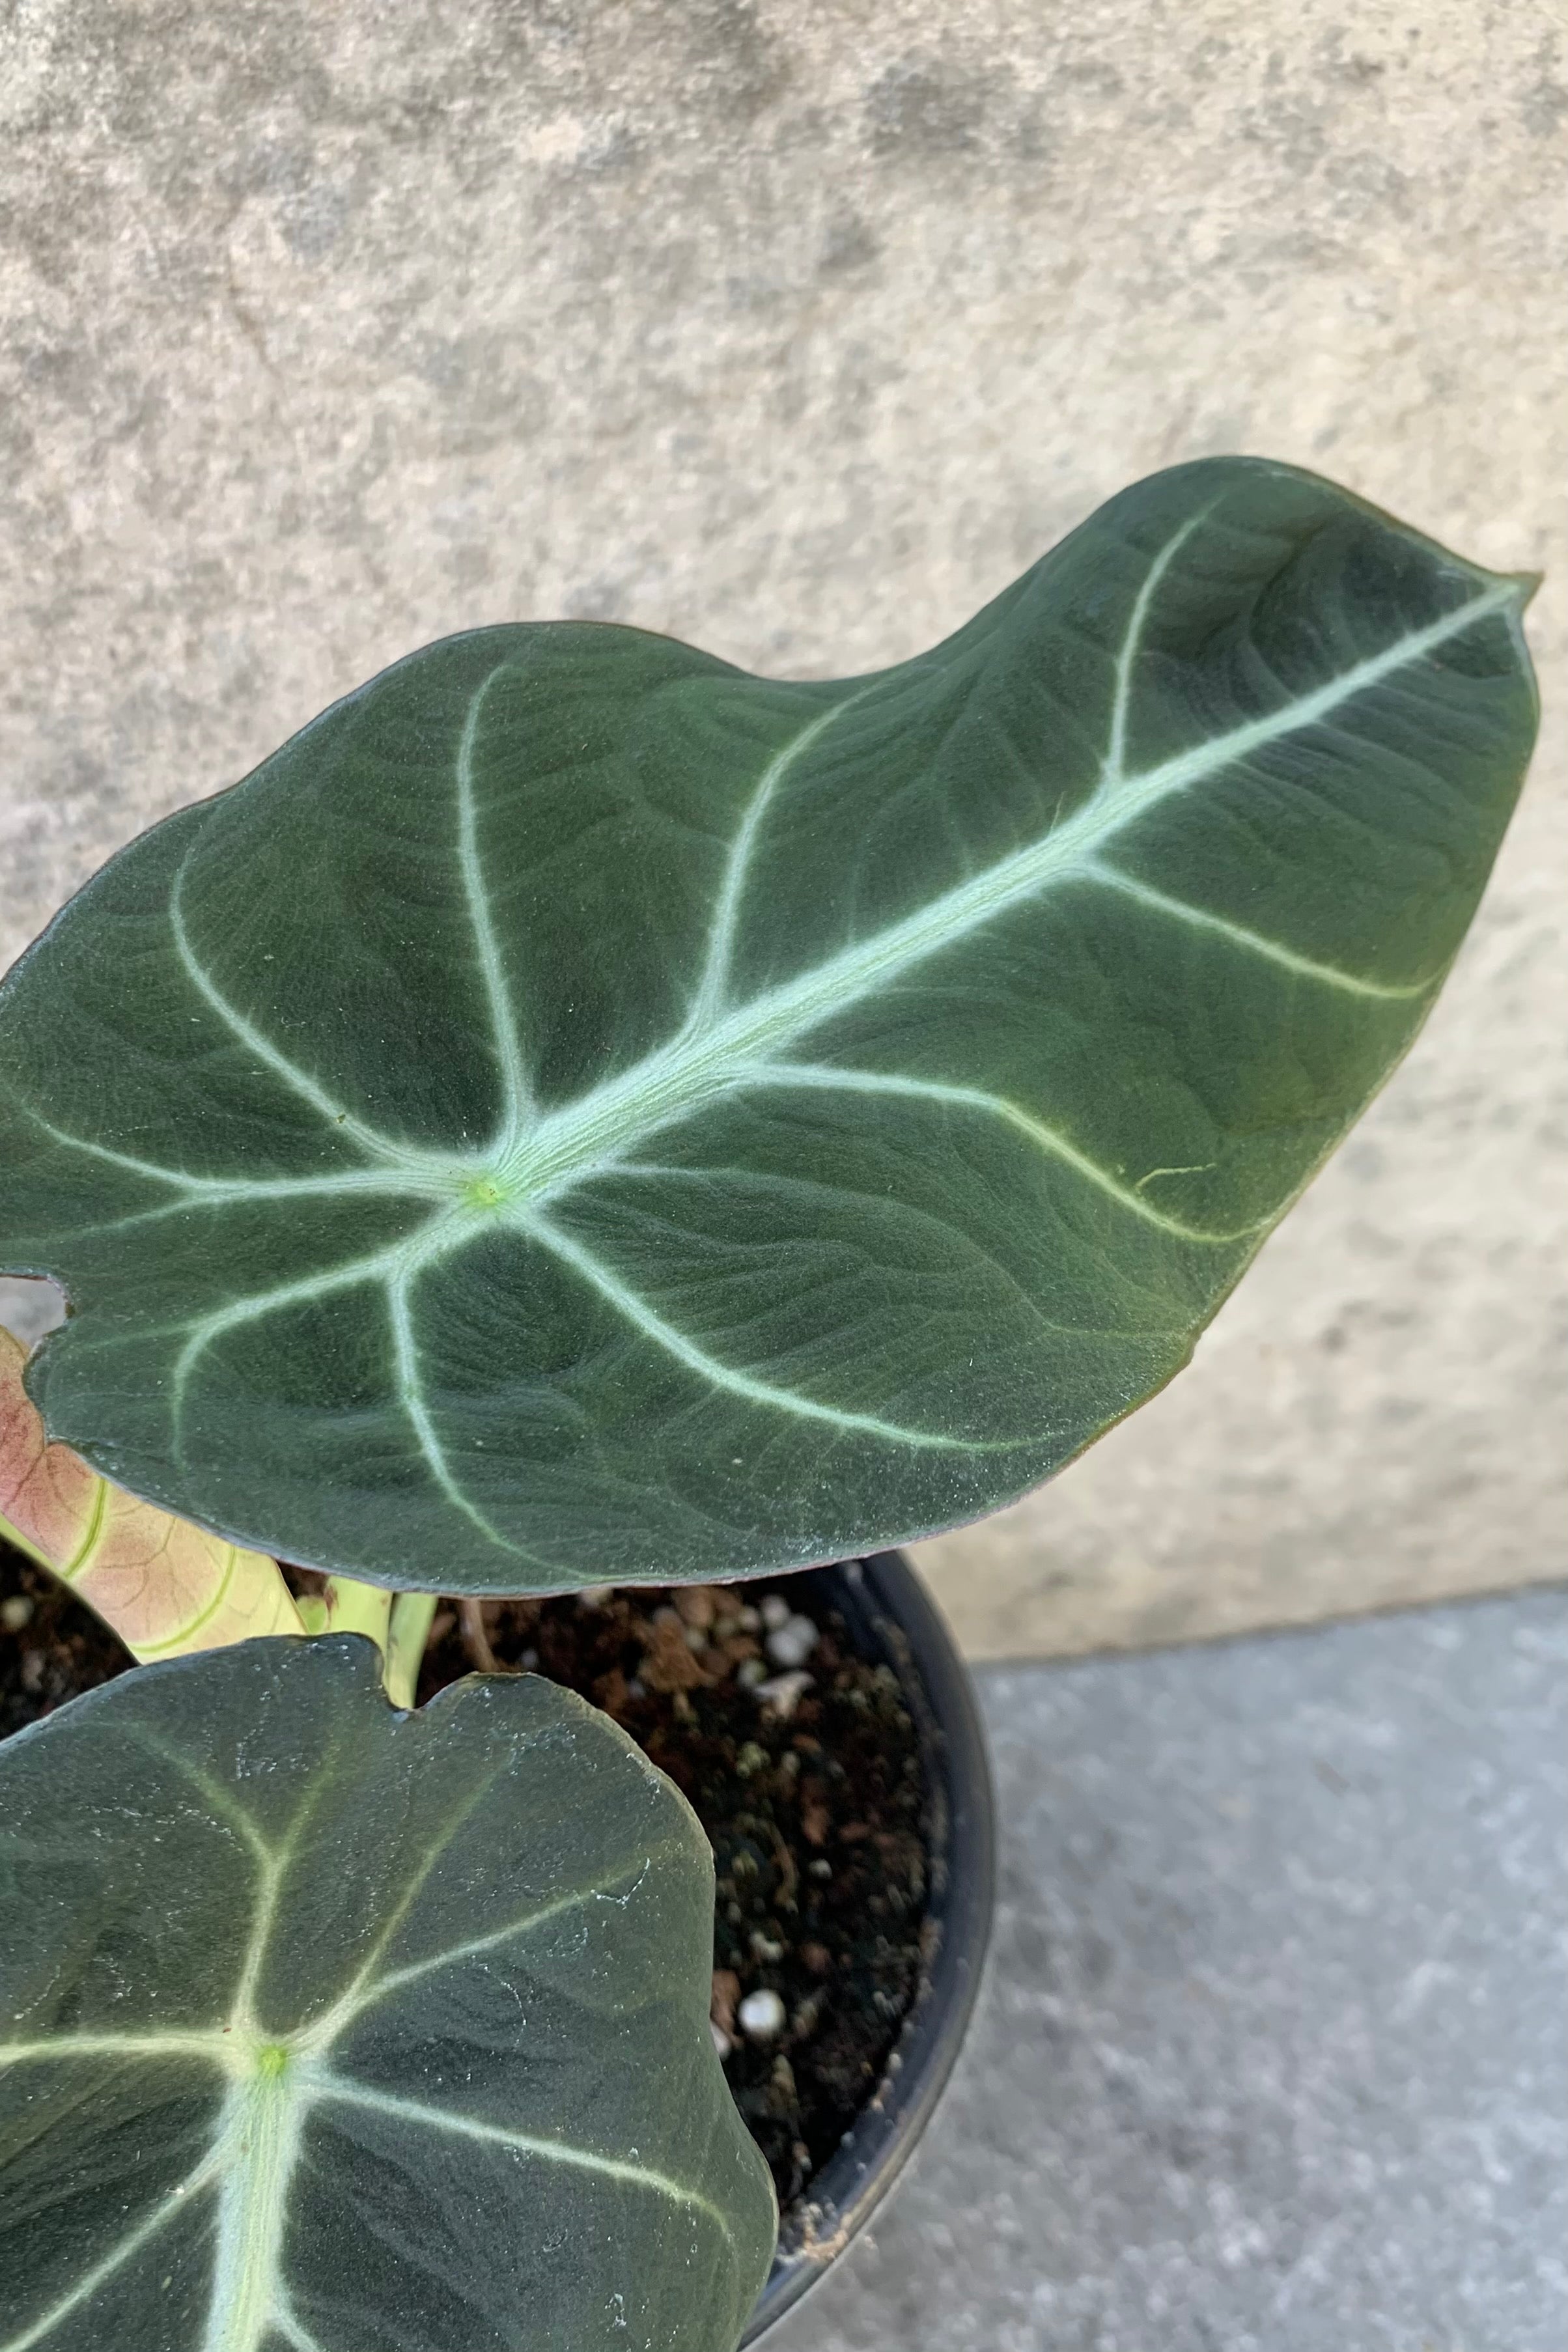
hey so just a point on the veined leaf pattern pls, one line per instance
(579, 1111)
(326, 2026)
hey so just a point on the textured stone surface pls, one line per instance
(29, 1309)
(1274, 2054)
(799, 331)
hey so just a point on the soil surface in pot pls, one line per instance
(798, 1755)
(52, 1647)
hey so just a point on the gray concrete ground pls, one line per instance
(1274, 2054)
(799, 330)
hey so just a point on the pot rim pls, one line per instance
(889, 1608)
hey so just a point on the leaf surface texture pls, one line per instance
(581, 1112)
(328, 2029)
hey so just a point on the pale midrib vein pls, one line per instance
(677, 1079)
(701, 1062)
(256, 2150)
(259, 2128)
(800, 1004)
(592, 1134)
(336, 2089)
(518, 1110)
(259, 2132)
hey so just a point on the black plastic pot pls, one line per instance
(889, 1617)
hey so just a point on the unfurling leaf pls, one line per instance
(581, 1112)
(326, 2027)
(163, 1585)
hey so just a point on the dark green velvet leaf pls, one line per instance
(581, 1112)
(325, 2029)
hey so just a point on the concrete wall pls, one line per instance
(799, 330)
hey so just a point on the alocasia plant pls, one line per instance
(166, 1586)
(581, 1112)
(328, 2027)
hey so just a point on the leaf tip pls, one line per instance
(1524, 585)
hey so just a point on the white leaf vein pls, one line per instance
(335, 2089)
(409, 1383)
(670, 1085)
(519, 1092)
(829, 1076)
(724, 1047)
(359, 1999)
(676, 1342)
(168, 2208)
(712, 988)
(1114, 768)
(1255, 943)
(251, 1038)
(259, 2123)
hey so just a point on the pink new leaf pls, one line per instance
(163, 1585)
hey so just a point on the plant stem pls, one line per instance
(476, 1640)
(407, 1633)
(354, 1608)
(399, 1623)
